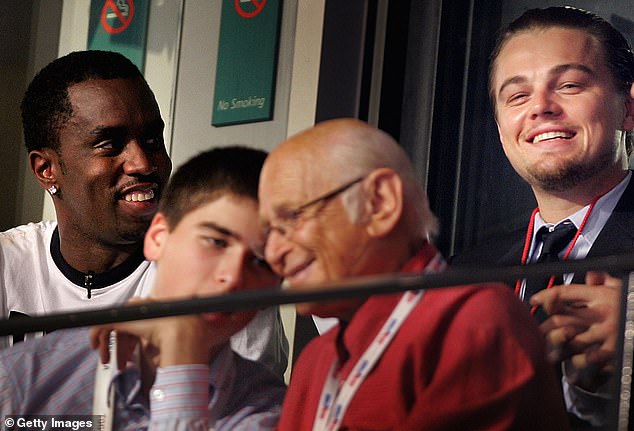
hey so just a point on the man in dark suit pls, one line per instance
(561, 87)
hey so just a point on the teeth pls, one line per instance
(139, 196)
(551, 135)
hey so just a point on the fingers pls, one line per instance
(548, 299)
(560, 332)
(587, 345)
(570, 299)
(99, 340)
(563, 299)
(582, 326)
(126, 344)
(174, 340)
(598, 358)
(564, 344)
(559, 298)
(557, 321)
(594, 278)
(590, 369)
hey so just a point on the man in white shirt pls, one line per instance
(94, 135)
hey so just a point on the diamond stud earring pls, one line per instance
(52, 189)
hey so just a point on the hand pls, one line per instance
(582, 327)
(191, 339)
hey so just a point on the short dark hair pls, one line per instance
(617, 50)
(46, 106)
(205, 177)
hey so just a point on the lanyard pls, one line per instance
(103, 400)
(336, 395)
(529, 238)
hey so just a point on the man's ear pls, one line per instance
(497, 125)
(43, 167)
(155, 237)
(385, 201)
(628, 122)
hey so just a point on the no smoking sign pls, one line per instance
(120, 26)
(116, 16)
(249, 8)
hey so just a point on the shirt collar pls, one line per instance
(597, 219)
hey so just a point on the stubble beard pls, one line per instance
(132, 232)
(570, 174)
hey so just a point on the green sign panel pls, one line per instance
(247, 61)
(121, 26)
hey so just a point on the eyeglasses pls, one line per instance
(287, 221)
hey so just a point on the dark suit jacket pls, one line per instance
(617, 236)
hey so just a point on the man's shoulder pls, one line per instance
(45, 357)
(35, 228)
(28, 239)
(484, 297)
(504, 248)
(465, 314)
(66, 343)
(50, 375)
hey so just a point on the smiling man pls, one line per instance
(561, 84)
(94, 135)
(558, 109)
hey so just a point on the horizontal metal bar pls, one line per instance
(359, 287)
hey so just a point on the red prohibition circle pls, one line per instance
(125, 21)
(259, 6)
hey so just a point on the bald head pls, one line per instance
(339, 150)
(315, 210)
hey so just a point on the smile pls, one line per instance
(552, 135)
(296, 270)
(139, 196)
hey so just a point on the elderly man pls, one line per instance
(342, 200)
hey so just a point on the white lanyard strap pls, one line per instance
(336, 396)
(103, 400)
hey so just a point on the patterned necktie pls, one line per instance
(554, 241)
